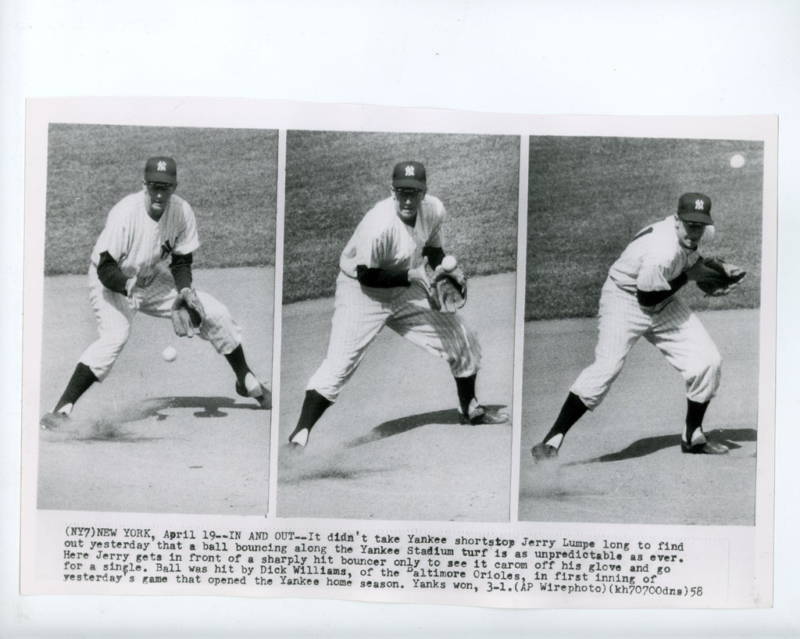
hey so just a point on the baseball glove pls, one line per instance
(187, 313)
(715, 276)
(448, 289)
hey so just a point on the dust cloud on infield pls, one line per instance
(391, 447)
(158, 436)
(588, 197)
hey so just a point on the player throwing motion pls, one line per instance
(128, 273)
(638, 300)
(383, 282)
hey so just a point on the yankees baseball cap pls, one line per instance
(695, 207)
(161, 169)
(409, 175)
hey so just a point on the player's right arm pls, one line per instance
(371, 248)
(112, 246)
(110, 274)
(652, 285)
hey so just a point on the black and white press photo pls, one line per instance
(157, 311)
(398, 325)
(641, 361)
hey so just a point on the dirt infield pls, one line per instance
(622, 463)
(158, 437)
(391, 447)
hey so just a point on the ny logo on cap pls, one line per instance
(699, 205)
(409, 171)
(162, 166)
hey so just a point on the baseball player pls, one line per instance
(129, 274)
(383, 281)
(639, 299)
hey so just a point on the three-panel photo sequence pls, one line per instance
(401, 326)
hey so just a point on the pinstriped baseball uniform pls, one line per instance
(650, 261)
(382, 240)
(141, 247)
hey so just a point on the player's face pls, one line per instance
(158, 194)
(689, 233)
(407, 201)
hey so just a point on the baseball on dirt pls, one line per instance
(449, 263)
(169, 354)
(737, 161)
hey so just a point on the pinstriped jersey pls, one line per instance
(138, 243)
(383, 240)
(653, 258)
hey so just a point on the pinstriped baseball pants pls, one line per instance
(359, 314)
(674, 329)
(114, 315)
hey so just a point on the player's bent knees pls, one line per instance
(466, 361)
(216, 312)
(112, 340)
(595, 381)
(709, 363)
(703, 379)
(103, 352)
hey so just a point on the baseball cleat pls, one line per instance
(699, 445)
(53, 421)
(706, 448)
(478, 415)
(259, 391)
(543, 451)
(299, 438)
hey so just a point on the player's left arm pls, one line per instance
(186, 242)
(181, 269)
(435, 255)
(434, 246)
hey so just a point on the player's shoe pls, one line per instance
(299, 438)
(259, 391)
(478, 414)
(53, 421)
(701, 446)
(542, 452)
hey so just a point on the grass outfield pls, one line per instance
(588, 197)
(333, 179)
(229, 177)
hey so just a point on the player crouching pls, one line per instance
(384, 280)
(638, 300)
(129, 274)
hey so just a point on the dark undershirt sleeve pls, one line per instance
(380, 278)
(181, 269)
(110, 274)
(435, 255)
(651, 298)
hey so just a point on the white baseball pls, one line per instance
(449, 263)
(737, 161)
(169, 354)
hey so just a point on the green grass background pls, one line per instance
(334, 178)
(229, 177)
(588, 197)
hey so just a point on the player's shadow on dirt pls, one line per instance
(404, 424)
(650, 445)
(209, 406)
